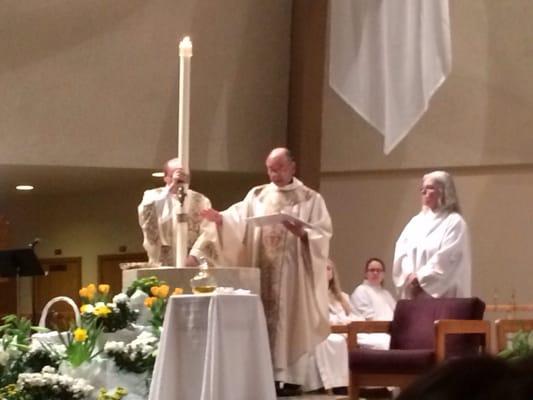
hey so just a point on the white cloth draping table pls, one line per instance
(213, 347)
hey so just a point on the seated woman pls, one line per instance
(332, 354)
(374, 303)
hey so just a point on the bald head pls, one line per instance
(280, 166)
(281, 152)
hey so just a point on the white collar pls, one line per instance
(291, 186)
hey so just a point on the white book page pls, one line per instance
(271, 219)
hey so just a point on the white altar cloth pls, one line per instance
(213, 347)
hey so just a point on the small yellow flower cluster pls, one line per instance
(101, 310)
(87, 308)
(80, 335)
(116, 394)
(10, 390)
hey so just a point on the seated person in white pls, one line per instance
(374, 303)
(332, 354)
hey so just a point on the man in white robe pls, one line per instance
(157, 219)
(432, 255)
(292, 258)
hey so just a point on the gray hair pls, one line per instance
(448, 200)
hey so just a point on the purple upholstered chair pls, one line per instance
(419, 340)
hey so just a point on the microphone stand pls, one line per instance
(31, 245)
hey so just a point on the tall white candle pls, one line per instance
(185, 53)
(181, 228)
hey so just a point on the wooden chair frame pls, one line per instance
(505, 326)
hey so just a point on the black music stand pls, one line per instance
(17, 263)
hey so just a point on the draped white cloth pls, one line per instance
(436, 247)
(387, 58)
(293, 271)
(213, 347)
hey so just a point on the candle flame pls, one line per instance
(186, 47)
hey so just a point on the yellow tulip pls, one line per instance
(163, 291)
(80, 335)
(149, 301)
(103, 288)
(84, 292)
(154, 290)
(178, 290)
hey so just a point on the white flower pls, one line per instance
(121, 298)
(61, 384)
(112, 346)
(137, 299)
(48, 369)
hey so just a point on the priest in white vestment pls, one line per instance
(291, 257)
(157, 219)
(432, 254)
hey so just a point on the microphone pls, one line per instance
(34, 242)
(182, 193)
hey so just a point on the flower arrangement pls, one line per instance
(81, 344)
(157, 304)
(138, 356)
(10, 360)
(18, 328)
(111, 316)
(154, 294)
(39, 356)
(15, 335)
(47, 385)
(51, 367)
(144, 285)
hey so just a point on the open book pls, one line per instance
(277, 218)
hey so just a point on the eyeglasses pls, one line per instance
(423, 189)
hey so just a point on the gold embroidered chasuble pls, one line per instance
(157, 223)
(293, 270)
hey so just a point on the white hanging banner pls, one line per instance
(387, 58)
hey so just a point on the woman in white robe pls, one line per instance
(332, 354)
(432, 254)
(374, 303)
